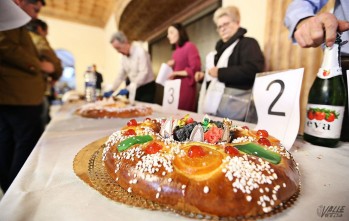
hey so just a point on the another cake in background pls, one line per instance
(117, 107)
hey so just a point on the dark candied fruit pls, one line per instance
(183, 134)
(219, 124)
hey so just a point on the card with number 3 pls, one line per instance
(171, 95)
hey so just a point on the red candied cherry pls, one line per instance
(129, 132)
(189, 120)
(245, 127)
(231, 150)
(196, 151)
(132, 122)
(264, 141)
(153, 148)
(262, 133)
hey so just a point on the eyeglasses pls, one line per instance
(224, 25)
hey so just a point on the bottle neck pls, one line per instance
(331, 63)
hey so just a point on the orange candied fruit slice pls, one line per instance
(198, 162)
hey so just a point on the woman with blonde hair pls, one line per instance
(231, 68)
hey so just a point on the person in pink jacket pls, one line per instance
(185, 63)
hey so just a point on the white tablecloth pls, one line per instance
(48, 189)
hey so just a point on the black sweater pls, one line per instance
(243, 64)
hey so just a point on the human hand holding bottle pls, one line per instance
(313, 31)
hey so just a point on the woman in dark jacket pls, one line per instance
(234, 64)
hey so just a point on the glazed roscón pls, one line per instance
(211, 168)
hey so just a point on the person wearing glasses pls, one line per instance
(230, 69)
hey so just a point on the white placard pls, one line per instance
(171, 95)
(163, 74)
(213, 97)
(132, 87)
(276, 96)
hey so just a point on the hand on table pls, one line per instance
(123, 92)
(108, 94)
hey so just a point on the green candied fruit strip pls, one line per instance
(257, 150)
(125, 144)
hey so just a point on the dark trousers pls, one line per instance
(146, 93)
(345, 126)
(20, 129)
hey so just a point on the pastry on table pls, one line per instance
(116, 107)
(213, 168)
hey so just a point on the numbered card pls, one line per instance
(163, 74)
(171, 95)
(276, 97)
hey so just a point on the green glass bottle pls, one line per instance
(326, 102)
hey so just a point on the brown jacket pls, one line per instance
(48, 54)
(21, 79)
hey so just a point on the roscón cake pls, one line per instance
(211, 168)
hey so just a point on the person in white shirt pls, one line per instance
(136, 65)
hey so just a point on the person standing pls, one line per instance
(309, 28)
(21, 94)
(99, 79)
(231, 68)
(185, 63)
(136, 65)
(38, 30)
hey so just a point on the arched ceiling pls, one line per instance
(88, 12)
(146, 19)
(140, 19)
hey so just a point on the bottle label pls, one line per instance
(326, 73)
(324, 121)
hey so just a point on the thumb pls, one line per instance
(343, 25)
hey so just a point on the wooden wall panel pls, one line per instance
(281, 54)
